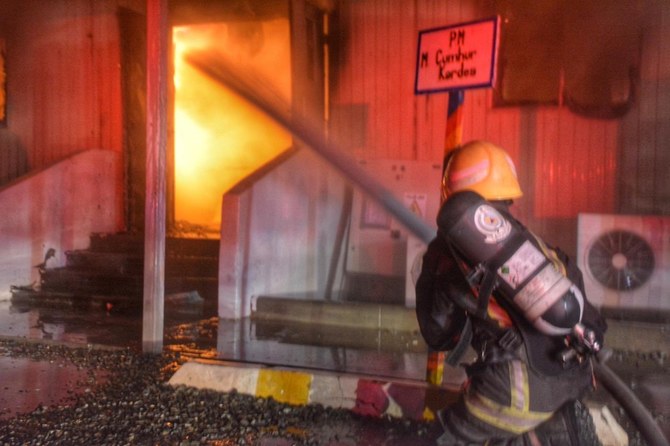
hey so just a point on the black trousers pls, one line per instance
(509, 403)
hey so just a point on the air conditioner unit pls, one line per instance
(625, 260)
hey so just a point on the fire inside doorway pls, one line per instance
(219, 138)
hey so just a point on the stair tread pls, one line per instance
(114, 265)
(126, 242)
(89, 253)
(82, 272)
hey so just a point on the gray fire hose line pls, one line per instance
(214, 65)
(642, 418)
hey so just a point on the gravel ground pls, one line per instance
(135, 405)
(125, 399)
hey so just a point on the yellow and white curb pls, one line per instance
(363, 395)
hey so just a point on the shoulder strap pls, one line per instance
(485, 277)
(487, 280)
(455, 355)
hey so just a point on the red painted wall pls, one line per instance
(567, 163)
(63, 78)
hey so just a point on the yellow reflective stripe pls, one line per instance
(517, 417)
(504, 417)
(520, 393)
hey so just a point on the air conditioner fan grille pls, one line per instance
(621, 260)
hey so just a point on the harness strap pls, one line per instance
(487, 286)
(455, 355)
(488, 282)
(506, 340)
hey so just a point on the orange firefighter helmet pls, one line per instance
(482, 167)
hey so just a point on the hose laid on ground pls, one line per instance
(629, 401)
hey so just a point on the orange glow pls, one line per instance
(2, 80)
(219, 138)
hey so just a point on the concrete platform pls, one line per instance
(343, 314)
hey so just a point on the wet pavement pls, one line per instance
(27, 383)
(200, 334)
(72, 377)
(132, 404)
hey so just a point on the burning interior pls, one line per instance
(220, 139)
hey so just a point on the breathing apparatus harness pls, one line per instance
(495, 252)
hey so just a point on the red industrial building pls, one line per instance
(264, 134)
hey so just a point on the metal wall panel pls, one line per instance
(63, 78)
(567, 163)
(644, 185)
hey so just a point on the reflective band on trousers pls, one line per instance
(517, 417)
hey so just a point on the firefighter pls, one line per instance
(523, 389)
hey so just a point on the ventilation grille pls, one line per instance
(621, 260)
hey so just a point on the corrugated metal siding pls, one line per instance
(645, 131)
(575, 164)
(63, 78)
(64, 96)
(567, 163)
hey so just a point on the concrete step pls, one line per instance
(113, 265)
(337, 336)
(92, 282)
(345, 314)
(24, 299)
(652, 339)
(28, 298)
(133, 264)
(134, 243)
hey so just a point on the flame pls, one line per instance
(219, 138)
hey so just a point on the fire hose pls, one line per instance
(219, 70)
(637, 412)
